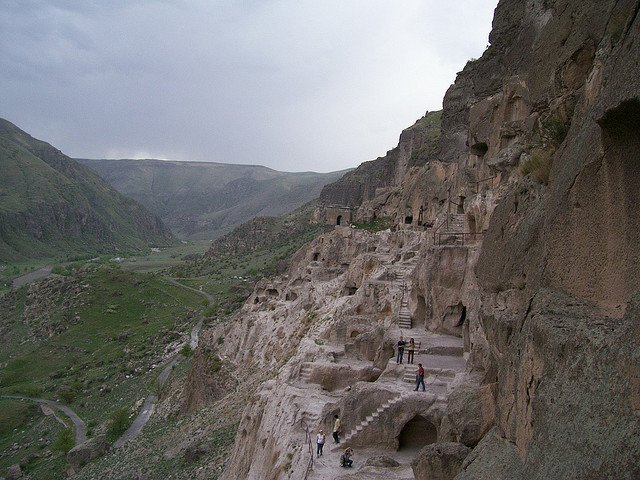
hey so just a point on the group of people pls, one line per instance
(411, 349)
(410, 346)
(345, 458)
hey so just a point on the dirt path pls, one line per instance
(30, 277)
(79, 426)
(149, 404)
(175, 282)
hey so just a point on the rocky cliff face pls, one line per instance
(513, 261)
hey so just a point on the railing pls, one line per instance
(456, 235)
(310, 445)
(483, 180)
(435, 230)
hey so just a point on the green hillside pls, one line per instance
(202, 200)
(51, 205)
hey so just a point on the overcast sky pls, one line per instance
(292, 84)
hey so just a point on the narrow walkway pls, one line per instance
(30, 277)
(79, 426)
(149, 404)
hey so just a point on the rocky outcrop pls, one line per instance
(442, 461)
(82, 454)
(418, 144)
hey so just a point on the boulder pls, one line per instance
(14, 472)
(470, 413)
(82, 454)
(440, 461)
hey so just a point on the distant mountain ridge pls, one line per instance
(51, 205)
(207, 200)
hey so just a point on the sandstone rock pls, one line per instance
(84, 453)
(471, 413)
(440, 461)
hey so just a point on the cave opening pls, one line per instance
(417, 433)
(408, 220)
(479, 149)
(460, 204)
(463, 316)
(338, 219)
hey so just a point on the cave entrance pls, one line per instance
(338, 219)
(408, 220)
(479, 149)
(471, 221)
(417, 433)
(455, 316)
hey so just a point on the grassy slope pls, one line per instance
(51, 205)
(116, 330)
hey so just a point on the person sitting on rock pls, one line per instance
(345, 458)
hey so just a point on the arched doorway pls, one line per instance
(417, 433)
(339, 220)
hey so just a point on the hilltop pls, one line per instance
(204, 200)
(51, 205)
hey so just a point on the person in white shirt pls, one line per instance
(320, 442)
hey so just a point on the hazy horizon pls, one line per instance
(294, 86)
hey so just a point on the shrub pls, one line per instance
(64, 441)
(186, 350)
(539, 165)
(555, 130)
(67, 394)
(118, 424)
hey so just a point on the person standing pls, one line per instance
(411, 348)
(401, 344)
(336, 429)
(420, 378)
(320, 438)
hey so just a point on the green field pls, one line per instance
(108, 334)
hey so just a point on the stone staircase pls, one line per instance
(439, 371)
(404, 316)
(450, 234)
(305, 372)
(371, 418)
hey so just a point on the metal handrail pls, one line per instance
(484, 180)
(435, 230)
(462, 235)
(308, 440)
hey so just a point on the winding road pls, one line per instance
(79, 427)
(140, 421)
(149, 404)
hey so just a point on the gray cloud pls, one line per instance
(292, 84)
